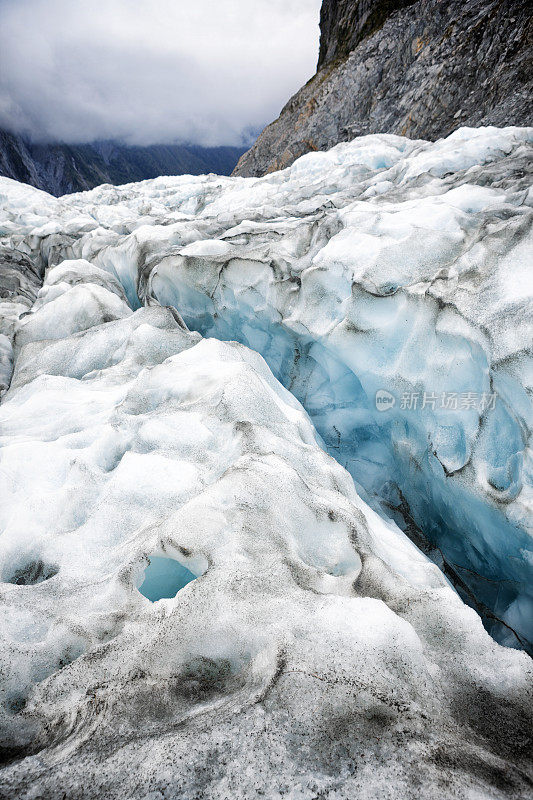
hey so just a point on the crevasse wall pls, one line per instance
(387, 453)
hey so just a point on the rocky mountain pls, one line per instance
(419, 69)
(64, 168)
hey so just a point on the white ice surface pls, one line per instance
(319, 653)
(314, 623)
(383, 264)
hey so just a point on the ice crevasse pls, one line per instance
(385, 269)
(386, 284)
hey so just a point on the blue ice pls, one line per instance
(164, 577)
(484, 549)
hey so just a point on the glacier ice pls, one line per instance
(384, 264)
(318, 652)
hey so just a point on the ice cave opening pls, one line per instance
(33, 572)
(164, 577)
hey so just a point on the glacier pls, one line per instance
(198, 379)
(383, 265)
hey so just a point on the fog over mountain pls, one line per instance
(63, 168)
(170, 72)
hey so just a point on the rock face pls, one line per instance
(345, 23)
(314, 652)
(417, 69)
(63, 168)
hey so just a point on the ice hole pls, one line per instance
(164, 577)
(33, 572)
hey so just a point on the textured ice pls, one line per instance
(318, 652)
(384, 264)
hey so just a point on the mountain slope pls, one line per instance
(417, 69)
(62, 168)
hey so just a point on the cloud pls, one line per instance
(152, 71)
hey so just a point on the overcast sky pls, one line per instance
(152, 71)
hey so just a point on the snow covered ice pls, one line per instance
(382, 265)
(312, 648)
